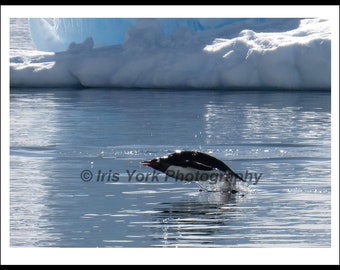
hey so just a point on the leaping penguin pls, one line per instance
(194, 166)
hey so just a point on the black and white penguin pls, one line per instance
(194, 166)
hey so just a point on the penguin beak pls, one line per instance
(150, 163)
(146, 163)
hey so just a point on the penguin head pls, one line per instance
(159, 164)
(183, 159)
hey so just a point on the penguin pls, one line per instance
(194, 166)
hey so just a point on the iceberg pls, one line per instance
(176, 53)
(108, 31)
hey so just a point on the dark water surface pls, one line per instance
(60, 138)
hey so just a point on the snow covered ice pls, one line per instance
(176, 53)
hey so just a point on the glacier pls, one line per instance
(291, 53)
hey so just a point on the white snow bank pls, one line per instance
(213, 57)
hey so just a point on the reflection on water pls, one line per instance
(29, 214)
(56, 134)
(262, 118)
(193, 223)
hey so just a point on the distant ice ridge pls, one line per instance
(168, 53)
